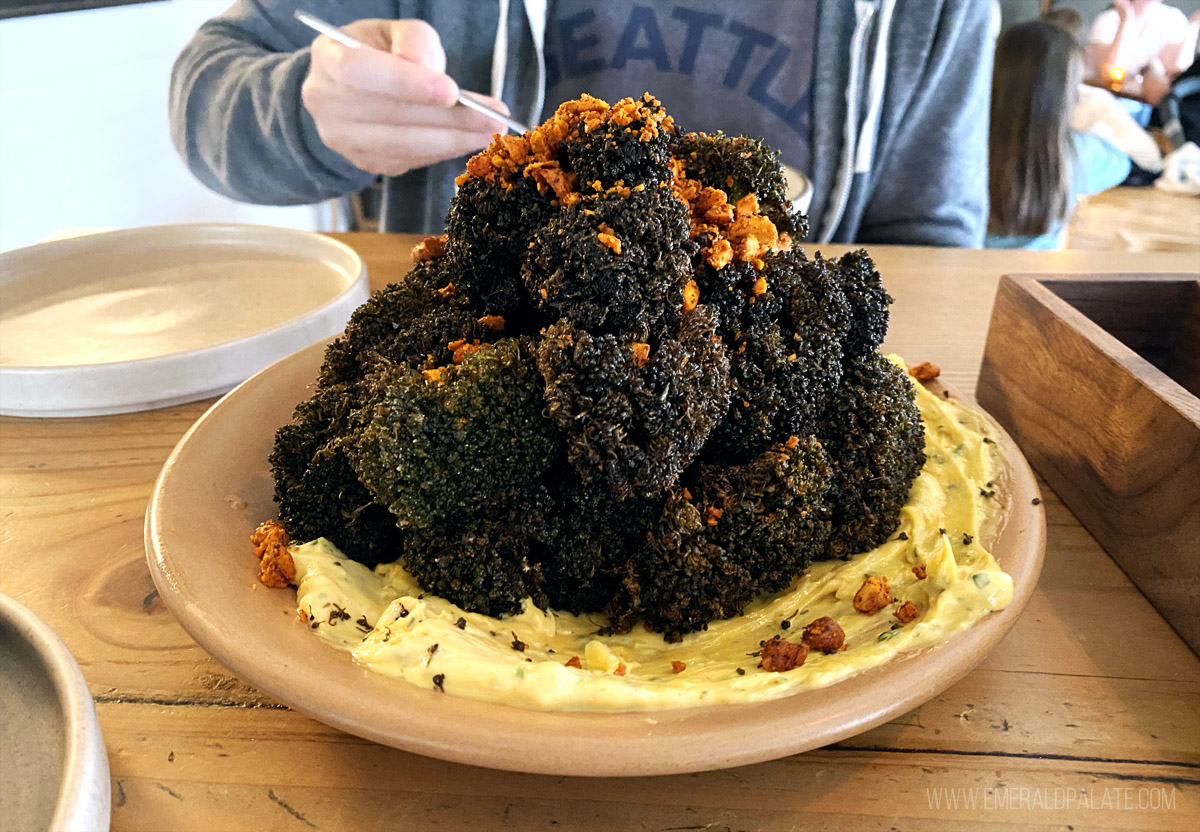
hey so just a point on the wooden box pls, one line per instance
(1098, 380)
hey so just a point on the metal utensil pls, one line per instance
(468, 99)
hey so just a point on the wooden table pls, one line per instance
(1137, 219)
(1092, 693)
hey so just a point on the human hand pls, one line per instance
(1123, 8)
(391, 108)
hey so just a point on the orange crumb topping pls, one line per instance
(460, 349)
(760, 287)
(691, 295)
(620, 671)
(925, 371)
(574, 662)
(276, 567)
(713, 515)
(535, 154)
(641, 353)
(792, 442)
(493, 322)
(678, 667)
(438, 374)
(609, 239)
(447, 291)
(429, 249)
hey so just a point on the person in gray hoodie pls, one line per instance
(883, 105)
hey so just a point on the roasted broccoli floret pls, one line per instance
(734, 533)
(318, 492)
(441, 444)
(596, 535)
(876, 440)
(785, 338)
(489, 228)
(634, 414)
(740, 165)
(407, 323)
(630, 147)
(487, 563)
(613, 263)
(869, 303)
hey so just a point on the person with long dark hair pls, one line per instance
(1039, 166)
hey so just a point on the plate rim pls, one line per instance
(554, 749)
(84, 791)
(69, 389)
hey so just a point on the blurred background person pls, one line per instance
(1141, 38)
(1038, 165)
(1098, 111)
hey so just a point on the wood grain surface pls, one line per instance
(1086, 716)
(1113, 430)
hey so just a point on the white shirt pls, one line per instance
(1158, 27)
(1097, 111)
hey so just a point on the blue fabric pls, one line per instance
(1140, 110)
(1097, 166)
(745, 67)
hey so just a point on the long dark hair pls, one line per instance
(1035, 84)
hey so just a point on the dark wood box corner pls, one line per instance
(1098, 380)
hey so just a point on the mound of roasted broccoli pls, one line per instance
(615, 385)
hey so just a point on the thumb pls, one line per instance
(417, 41)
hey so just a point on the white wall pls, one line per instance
(83, 125)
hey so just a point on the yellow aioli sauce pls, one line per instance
(390, 627)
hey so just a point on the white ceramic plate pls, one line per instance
(55, 769)
(148, 317)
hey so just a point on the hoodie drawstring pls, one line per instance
(864, 11)
(500, 53)
(859, 149)
(535, 13)
(870, 128)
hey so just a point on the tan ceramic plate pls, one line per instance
(216, 487)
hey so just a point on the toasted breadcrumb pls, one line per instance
(779, 656)
(824, 634)
(641, 353)
(276, 567)
(919, 571)
(574, 662)
(678, 667)
(691, 295)
(873, 595)
(925, 371)
(429, 249)
(609, 239)
(907, 612)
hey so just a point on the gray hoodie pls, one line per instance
(898, 110)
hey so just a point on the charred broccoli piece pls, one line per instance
(597, 532)
(489, 228)
(634, 414)
(785, 351)
(486, 564)
(441, 444)
(875, 437)
(740, 165)
(869, 303)
(736, 533)
(631, 148)
(318, 492)
(403, 324)
(613, 263)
